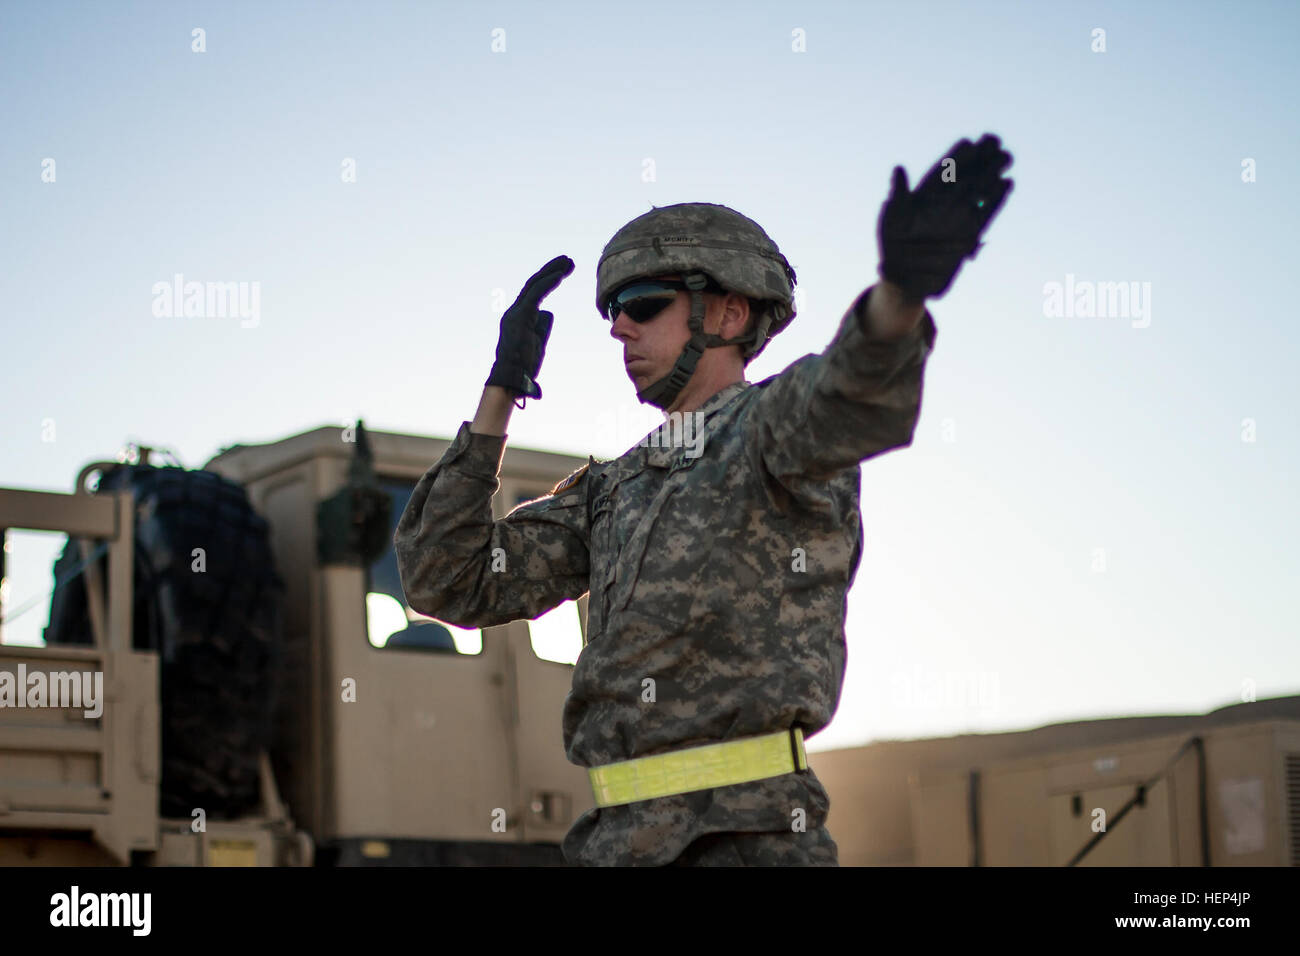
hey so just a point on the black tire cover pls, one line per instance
(217, 630)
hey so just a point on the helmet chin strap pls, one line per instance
(663, 393)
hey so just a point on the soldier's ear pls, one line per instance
(735, 315)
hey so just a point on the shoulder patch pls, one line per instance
(572, 480)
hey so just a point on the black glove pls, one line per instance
(926, 233)
(524, 331)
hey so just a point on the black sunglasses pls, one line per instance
(643, 299)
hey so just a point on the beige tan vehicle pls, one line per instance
(1219, 789)
(268, 699)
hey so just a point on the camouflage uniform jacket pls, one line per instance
(719, 571)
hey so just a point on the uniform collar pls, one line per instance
(722, 397)
(687, 429)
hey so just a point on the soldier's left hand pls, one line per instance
(925, 234)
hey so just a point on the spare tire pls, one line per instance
(215, 620)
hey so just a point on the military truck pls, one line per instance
(268, 697)
(1215, 789)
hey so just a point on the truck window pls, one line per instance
(390, 622)
(557, 634)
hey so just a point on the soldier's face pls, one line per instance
(650, 349)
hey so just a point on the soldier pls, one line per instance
(717, 572)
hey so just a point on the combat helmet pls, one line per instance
(701, 241)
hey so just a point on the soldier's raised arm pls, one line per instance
(456, 563)
(862, 395)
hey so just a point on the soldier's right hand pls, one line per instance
(524, 331)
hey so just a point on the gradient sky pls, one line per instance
(1040, 440)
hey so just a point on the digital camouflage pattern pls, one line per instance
(788, 848)
(719, 571)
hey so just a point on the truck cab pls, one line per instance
(399, 739)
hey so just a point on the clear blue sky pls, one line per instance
(1041, 438)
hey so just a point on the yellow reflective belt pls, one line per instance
(699, 768)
